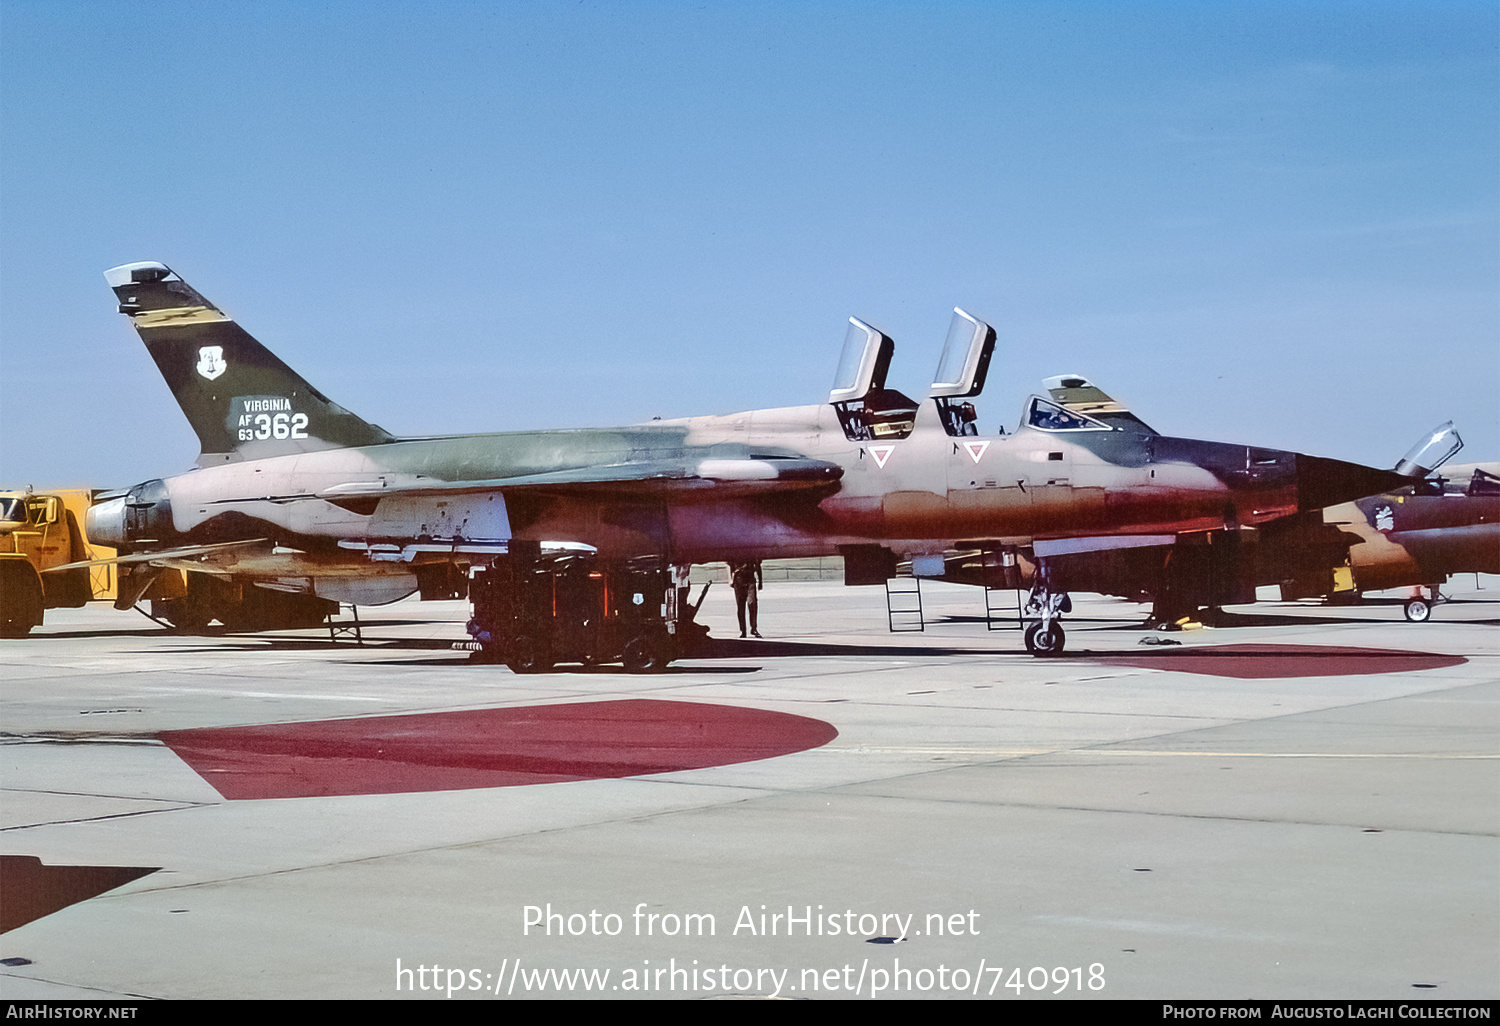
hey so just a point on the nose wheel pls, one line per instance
(1045, 639)
(1418, 609)
(1047, 604)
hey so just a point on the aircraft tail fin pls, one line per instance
(242, 401)
(1077, 393)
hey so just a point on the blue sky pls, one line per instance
(1274, 223)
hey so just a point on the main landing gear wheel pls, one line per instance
(188, 615)
(1418, 610)
(1045, 639)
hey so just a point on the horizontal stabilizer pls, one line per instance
(161, 557)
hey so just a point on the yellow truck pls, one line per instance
(38, 531)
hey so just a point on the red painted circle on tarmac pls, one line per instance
(1270, 661)
(487, 747)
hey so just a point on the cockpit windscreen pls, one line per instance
(1051, 417)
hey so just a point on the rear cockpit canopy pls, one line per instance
(1483, 483)
(1480, 483)
(961, 371)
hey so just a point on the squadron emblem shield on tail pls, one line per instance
(211, 361)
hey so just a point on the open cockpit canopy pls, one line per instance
(867, 409)
(961, 371)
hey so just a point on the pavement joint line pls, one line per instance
(99, 819)
(113, 994)
(1438, 689)
(98, 794)
(461, 845)
(1174, 815)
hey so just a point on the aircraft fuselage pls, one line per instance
(920, 494)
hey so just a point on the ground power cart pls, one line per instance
(534, 611)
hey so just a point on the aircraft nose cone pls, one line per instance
(1323, 482)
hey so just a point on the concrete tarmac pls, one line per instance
(1271, 820)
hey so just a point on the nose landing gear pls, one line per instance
(1418, 609)
(1047, 603)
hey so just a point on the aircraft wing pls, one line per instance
(707, 478)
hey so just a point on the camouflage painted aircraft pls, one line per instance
(1420, 536)
(295, 494)
(1415, 536)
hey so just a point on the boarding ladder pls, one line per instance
(350, 628)
(903, 604)
(1001, 613)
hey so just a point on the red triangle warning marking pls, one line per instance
(976, 449)
(881, 454)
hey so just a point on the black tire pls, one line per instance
(190, 614)
(1048, 642)
(21, 599)
(528, 654)
(662, 654)
(482, 656)
(188, 620)
(1417, 610)
(642, 655)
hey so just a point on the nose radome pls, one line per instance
(1323, 482)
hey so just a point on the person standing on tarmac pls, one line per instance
(746, 579)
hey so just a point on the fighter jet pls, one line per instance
(294, 494)
(1418, 535)
(1413, 538)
